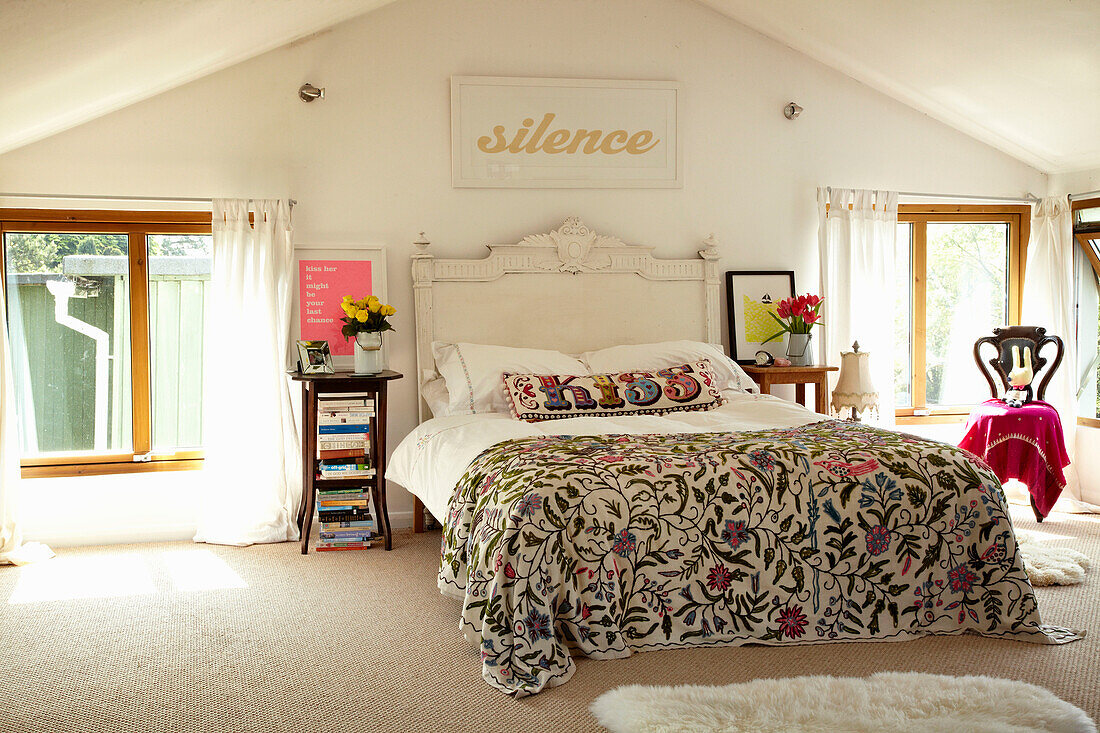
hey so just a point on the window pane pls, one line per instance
(179, 284)
(1088, 335)
(1088, 216)
(69, 327)
(903, 346)
(967, 297)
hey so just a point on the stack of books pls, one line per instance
(345, 519)
(344, 513)
(343, 436)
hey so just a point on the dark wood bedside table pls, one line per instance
(329, 385)
(799, 376)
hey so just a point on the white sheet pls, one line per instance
(432, 458)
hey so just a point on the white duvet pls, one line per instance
(432, 458)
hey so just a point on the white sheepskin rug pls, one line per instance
(888, 701)
(1047, 565)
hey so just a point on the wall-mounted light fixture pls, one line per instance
(307, 92)
(791, 111)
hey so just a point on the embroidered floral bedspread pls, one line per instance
(605, 545)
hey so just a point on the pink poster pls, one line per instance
(323, 285)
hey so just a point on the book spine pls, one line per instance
(344, 418)
(350, 428)
(360, 405)
(366, 525)
(338, 443)
(341, 453)
(327, 548)
(356, 440)
(327, 517)
(358, 461)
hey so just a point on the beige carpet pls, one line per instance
(201, 638)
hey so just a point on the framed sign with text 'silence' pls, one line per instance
(513, 132)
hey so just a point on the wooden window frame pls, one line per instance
(1082, 236)
(137, 225)
(1018, 219)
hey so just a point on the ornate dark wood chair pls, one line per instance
(1003, 339)
(1020, 439)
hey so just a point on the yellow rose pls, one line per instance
(348, 299)
(361, 303)
(349, 309)
(374, 306)
(361, 316)
(388, 310)
(372, 299)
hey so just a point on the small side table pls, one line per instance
(332, 385)
(799, 376)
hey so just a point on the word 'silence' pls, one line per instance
(564, 141)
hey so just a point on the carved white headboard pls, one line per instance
(571, 289)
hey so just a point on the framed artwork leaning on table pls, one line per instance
(752, 297)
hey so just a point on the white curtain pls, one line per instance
(251, 483)
(857, 232)
(12, 548)
(1049, 300)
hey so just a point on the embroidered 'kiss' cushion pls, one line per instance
(537, 397)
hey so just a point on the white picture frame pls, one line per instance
(522, 132)
(336, 253)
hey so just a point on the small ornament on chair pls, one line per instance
(1019, 379)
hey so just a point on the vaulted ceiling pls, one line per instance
(1021, 75)
(66, 62)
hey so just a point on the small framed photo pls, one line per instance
(752, 297)
(314, 357)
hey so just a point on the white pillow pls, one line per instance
(475, 372)
(434, 392)
(669, 354)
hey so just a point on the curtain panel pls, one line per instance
(1050, 300)
(857, 232)
(252, 486)
(13, 550)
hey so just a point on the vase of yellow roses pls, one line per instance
(365, 321)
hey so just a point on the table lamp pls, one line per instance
(854, 390)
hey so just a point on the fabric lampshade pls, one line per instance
(854, 389)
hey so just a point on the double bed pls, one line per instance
(751, 521)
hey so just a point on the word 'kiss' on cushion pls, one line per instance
(537, 397)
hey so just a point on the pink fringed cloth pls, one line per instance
(1025, 443)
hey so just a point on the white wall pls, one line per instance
(370, 165)
(1077, 182)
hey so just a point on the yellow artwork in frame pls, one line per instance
(752, 297)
